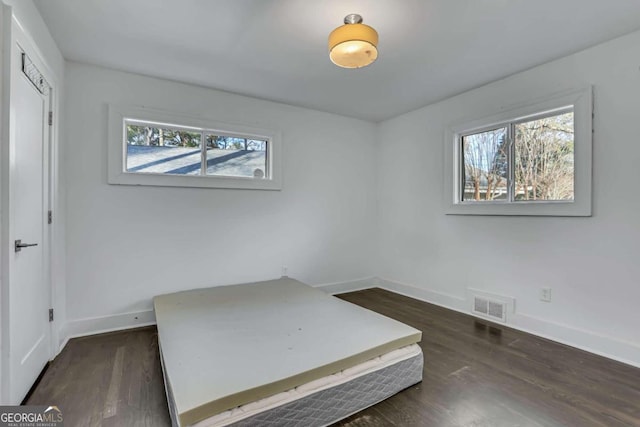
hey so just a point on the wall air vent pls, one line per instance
(488, 306)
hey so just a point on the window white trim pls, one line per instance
(582, 102)
(117, 173)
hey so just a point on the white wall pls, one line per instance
(126, 244)
(592, 264)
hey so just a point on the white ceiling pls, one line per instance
(277, 49)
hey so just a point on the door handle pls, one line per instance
(19, 245)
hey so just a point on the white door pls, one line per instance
(30, 291)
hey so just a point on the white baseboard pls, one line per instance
(98, 325)
(350, 286)
(438, 298)
(609, 347)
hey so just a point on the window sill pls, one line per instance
(533, 208)
(237, 183)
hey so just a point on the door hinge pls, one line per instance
(50, 217)
(51, 315)
(50, 118)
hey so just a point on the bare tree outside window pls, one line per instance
(160, 137)
(539, 165)
(544, 159)
(485, 165)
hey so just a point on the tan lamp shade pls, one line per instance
(353, 45)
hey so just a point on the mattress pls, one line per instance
(229, 346)
(329, 399)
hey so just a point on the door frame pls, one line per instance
(14, 33)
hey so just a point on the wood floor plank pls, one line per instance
(111, 402)
(475, 374)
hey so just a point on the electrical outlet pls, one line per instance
(285, 271)
(545, 294)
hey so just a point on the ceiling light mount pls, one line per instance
(353, 18)
(354, 44)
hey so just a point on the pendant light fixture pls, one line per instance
(354, 44)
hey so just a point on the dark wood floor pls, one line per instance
(475, 374)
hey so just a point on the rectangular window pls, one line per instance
(165, 149)
(189, 154)
(529, 160)
(534, 160)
